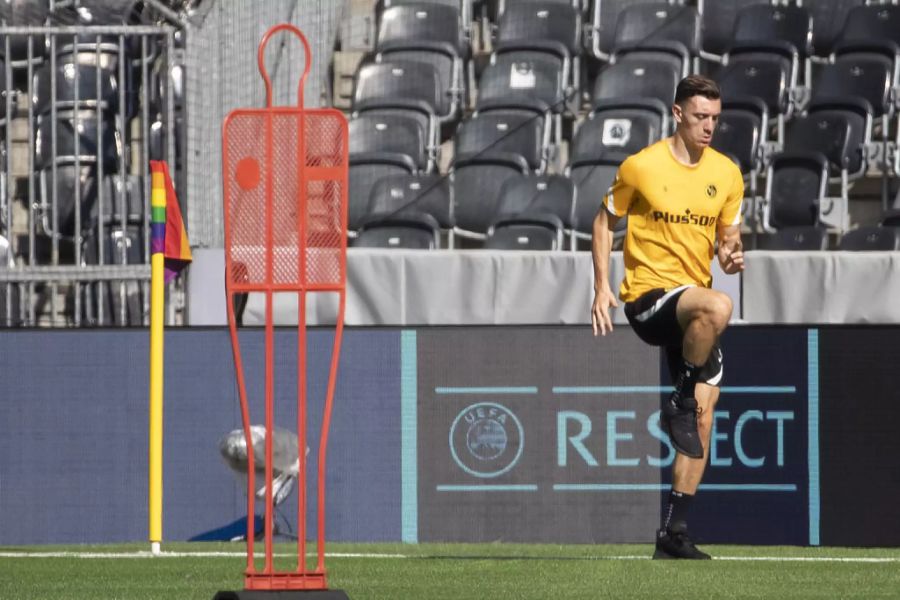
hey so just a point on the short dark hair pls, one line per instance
(696, 85)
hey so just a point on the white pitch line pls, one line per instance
(201, 554)
(170, 554)
(847, 559)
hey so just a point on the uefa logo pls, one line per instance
(486, 439)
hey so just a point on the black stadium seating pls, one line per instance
(719, 20)
(532, 214)
(639, 78)
(659, 29)
(381, 145)
(806, 87)
(795, 238)
(871, 238)
(503, 131)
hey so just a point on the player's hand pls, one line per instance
(731, 259)
(600, 319)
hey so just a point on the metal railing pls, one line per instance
(86, 108)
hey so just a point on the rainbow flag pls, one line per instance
(167, 232)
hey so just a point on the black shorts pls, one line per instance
(654, 320)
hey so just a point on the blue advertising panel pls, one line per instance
(756, 486)
(551, 435)
(74, 420)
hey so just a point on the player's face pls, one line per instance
(696, 119)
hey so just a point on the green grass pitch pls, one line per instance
(457, 571)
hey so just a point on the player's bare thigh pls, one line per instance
(704, 303)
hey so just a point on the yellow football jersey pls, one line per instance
(673, 210)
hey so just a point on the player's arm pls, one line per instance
(731, 250)
(615, 205)
(601, 246)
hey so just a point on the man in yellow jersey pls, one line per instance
(681, 197)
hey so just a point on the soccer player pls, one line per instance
(680, 196)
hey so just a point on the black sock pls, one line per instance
(686, 380)
(677, 510)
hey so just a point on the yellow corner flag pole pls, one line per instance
(157, 316)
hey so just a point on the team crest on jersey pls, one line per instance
(711, 191)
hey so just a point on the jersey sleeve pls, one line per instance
(731, 211)
(621, 194)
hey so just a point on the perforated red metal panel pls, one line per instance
(272, 194)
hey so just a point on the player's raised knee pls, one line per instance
(721, 307)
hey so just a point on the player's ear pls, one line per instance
(677, 113)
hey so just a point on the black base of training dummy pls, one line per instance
(283, 595)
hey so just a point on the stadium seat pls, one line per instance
(430, 34)
(66, 91)
(9, 293)
(761, 25)
(870, 77)
(551, 27)
(491, 147)
(123, 301)
(401, 194)
(871, 238)
(875, 26)
(659, 28)
(505, 131)
(86, 48)
(536, 196)
(830, 140)
(619, 126)
(120, 246)
(497, 7)
(463, 6)
(592, 176)
(522, 79)
(412, 89)
(846, 163)
(391, 134)
(639, 78)
(414, 23)
(364, 173)
(90, 146)
(524, 234)
(795, 188)
(865, 75)
(604, 16)
(69, 182)
(718, 20)
(890, 218)
(381, 145)
(477, 181)
(541, 25)
(430, 194)
(794, 238)
(409, 230)
(764, 75)
(533, 212)
(121, 203)
(829, 17)
(447, 66)
(742, 135)
(18, 14)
